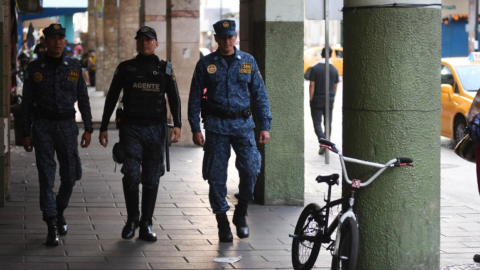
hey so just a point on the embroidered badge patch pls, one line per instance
(226, 24)
(212, 69)
(73, 75)
(56, 26)
(246, 68)
(131, 69)
(260, 75)
(173, 76)
(37, 77)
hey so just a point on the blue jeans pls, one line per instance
(318, 112)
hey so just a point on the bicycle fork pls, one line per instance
(347, 214)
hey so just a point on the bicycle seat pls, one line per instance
(329, 179)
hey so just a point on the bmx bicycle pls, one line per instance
(313, 229)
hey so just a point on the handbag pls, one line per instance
(466, 149)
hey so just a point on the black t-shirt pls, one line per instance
(228, 59)
(52, 61)
(317, 75)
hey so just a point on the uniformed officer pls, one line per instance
(144, 81)
(52, 86)
(232, 79)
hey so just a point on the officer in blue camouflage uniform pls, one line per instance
(232, 79)
(52, 86)
(144, 81)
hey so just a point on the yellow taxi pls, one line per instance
(460, 82)
(313, 55)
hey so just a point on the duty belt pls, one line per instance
(224, 114)
(52, 115)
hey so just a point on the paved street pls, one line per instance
(186, 228)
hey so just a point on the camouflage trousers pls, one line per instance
(60, 137)
(145, 143)
(215, 166)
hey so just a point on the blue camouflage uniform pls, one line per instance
(49, 96)
(229, 91)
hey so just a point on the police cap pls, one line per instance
(54, 28)
(147, 31)
(225, 28)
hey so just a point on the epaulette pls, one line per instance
(168, 67)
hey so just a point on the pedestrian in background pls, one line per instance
(52, 86)
(91, 67)
(143, 132)
(232, 79)
(318, 92)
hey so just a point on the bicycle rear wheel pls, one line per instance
(346, 259)
(306, 246)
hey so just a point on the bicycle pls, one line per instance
(312, 229)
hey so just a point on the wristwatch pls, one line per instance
(89, 130)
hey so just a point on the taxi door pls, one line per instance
(449, 103)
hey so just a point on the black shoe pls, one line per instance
(145, 232)
(149, 197)
(322, 151)
(62, 225)
(239, 220)
(128, 231)
(131, 202)
(52, 236)
(476, 258)
(224, 232)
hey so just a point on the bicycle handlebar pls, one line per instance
(396, 162)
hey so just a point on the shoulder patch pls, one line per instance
(37, 77)
(212, 69)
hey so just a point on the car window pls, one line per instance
(339, 53)
(469, 77)
(318, 53)
(447, 77)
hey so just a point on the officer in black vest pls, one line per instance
(145, 80)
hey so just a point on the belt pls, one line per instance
(224, 114)
(55, 116)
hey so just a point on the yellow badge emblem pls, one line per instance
(73, 75)
(246, 68)
(37, 77)
(212, 69)
(226, 24)
(56, 26)
(173, 76)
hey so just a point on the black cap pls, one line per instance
(54, 28)
(147, 31)
(225, 28)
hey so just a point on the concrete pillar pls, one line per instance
(129, 23)
(111, 35)
(183, 38)
(264, 25)
(100, 47)
(155, 16)
(91, 42)
(391, 108)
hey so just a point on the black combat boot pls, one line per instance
(61, 222)
(131, 202)
(224, 232)
(52, 236)
(240, 221)
(149, 197)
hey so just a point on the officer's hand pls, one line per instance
(175, 135)
(86, 138)
(28, 144)
(264, 137)
(103, 137)
(198, 139)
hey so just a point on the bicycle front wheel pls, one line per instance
(306, 244)
(346, 259)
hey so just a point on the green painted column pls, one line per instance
(266, 24)
(391, 108)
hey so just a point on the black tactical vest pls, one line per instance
(144, 97)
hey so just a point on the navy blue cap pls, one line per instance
(54, 28)
(225, 28)
(147, 31)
